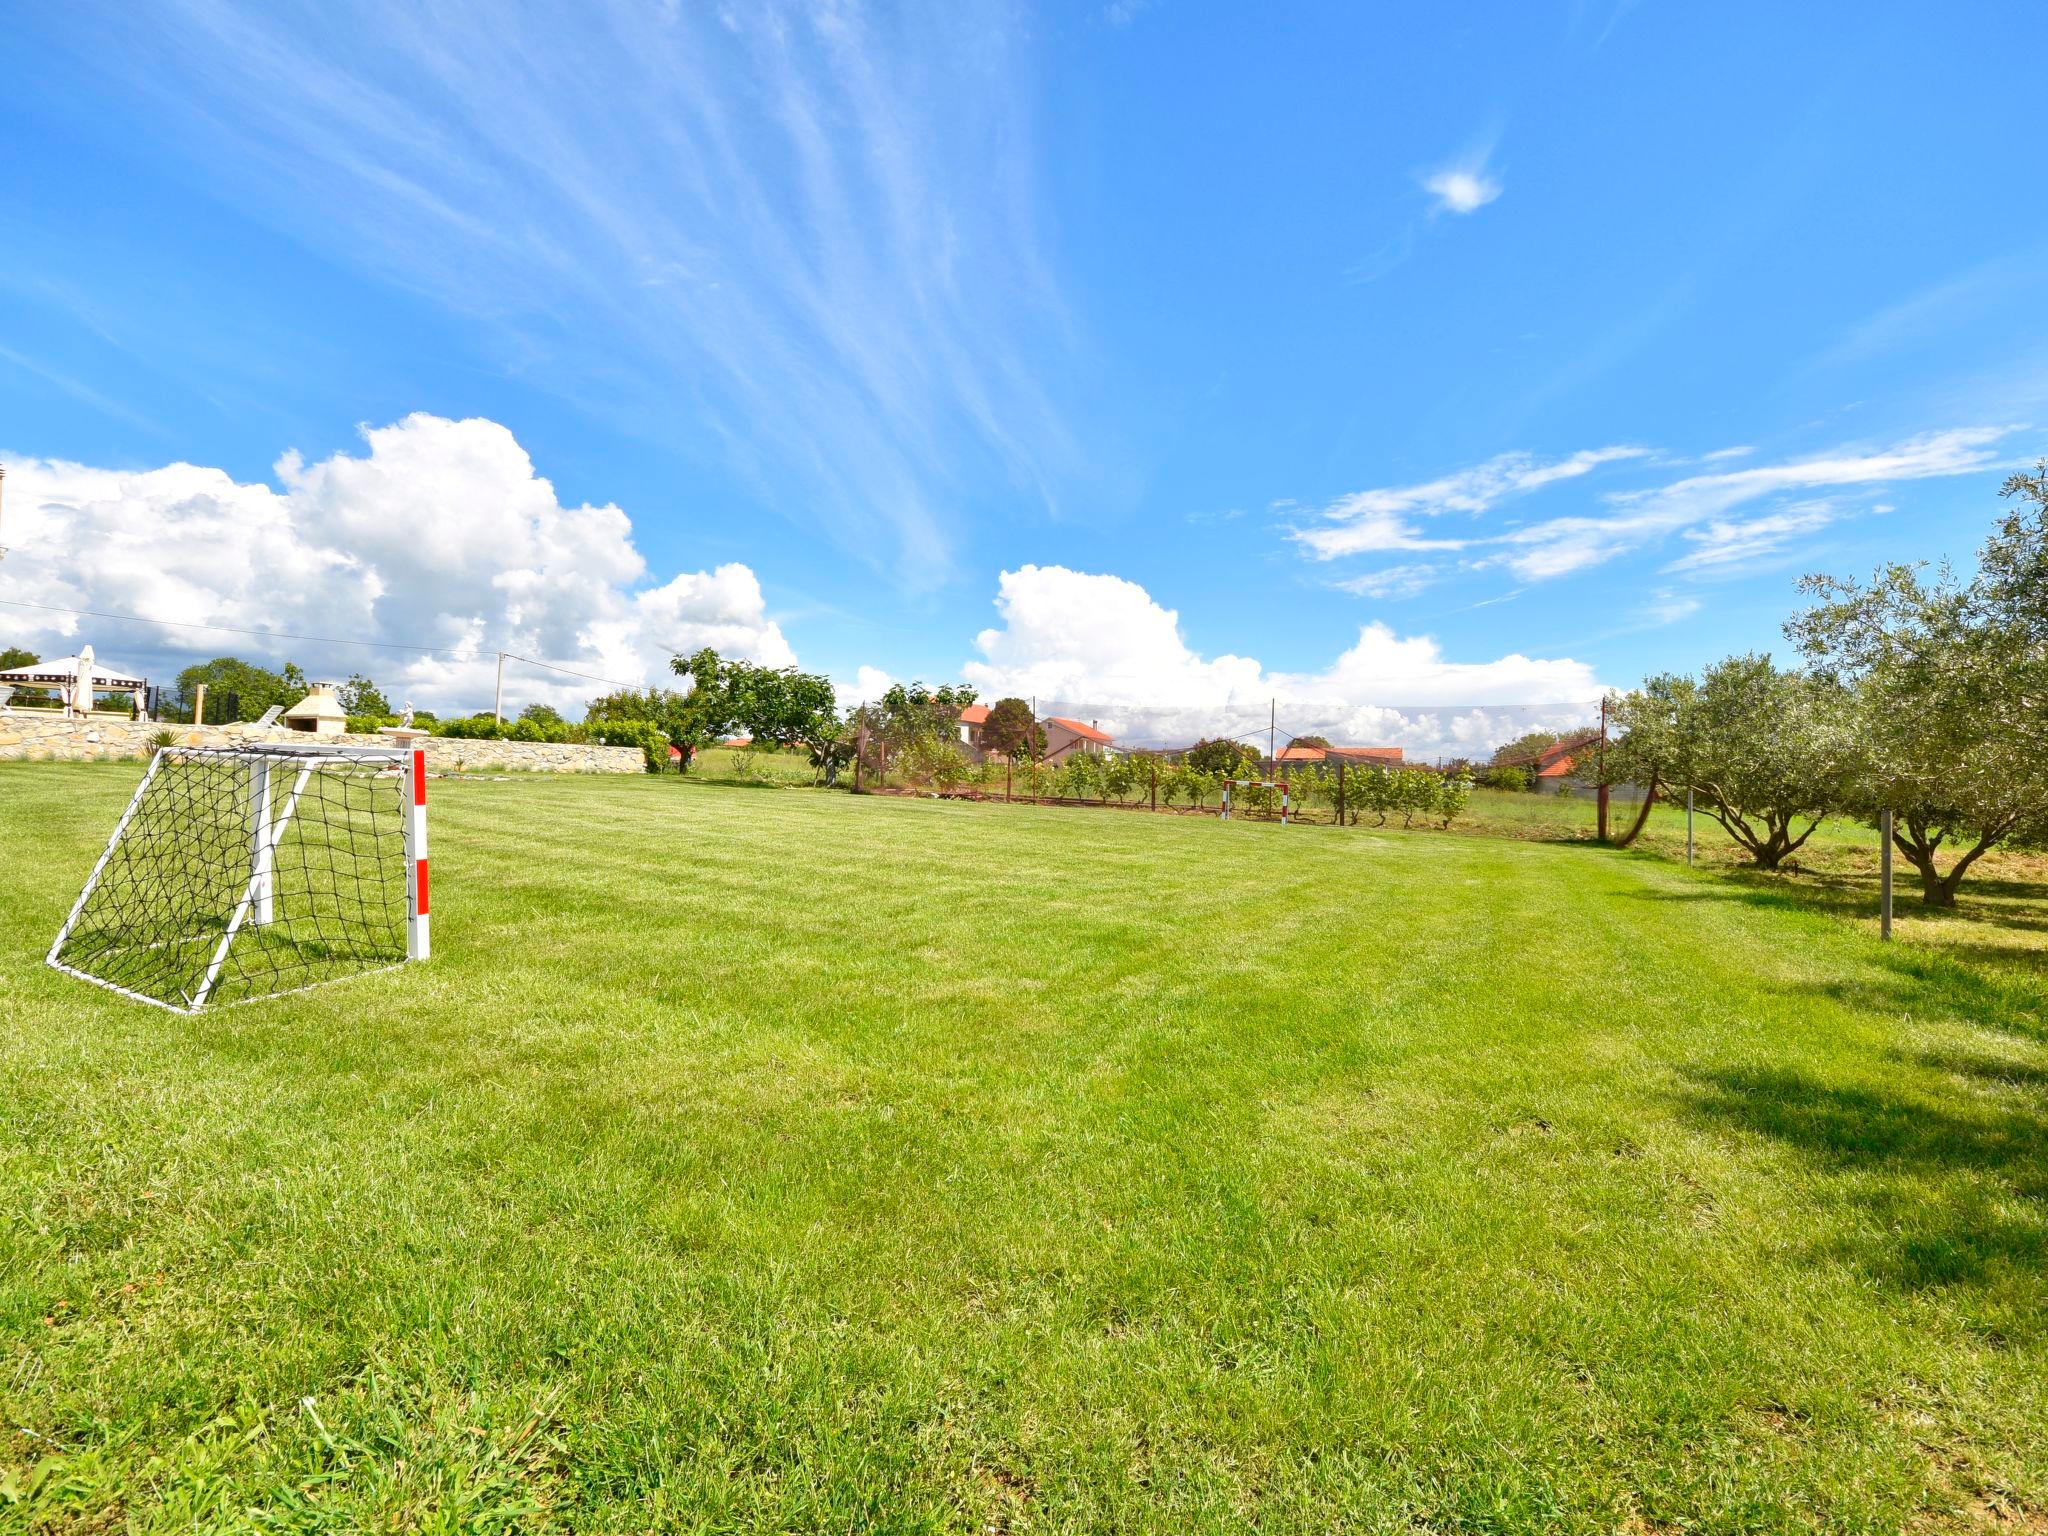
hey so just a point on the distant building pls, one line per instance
(1384, 756)
(1064, 737)
(972, 719)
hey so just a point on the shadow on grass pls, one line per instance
(1951, 1183)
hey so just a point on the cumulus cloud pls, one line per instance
(440, 535)
(868, 684)
(1101, 648)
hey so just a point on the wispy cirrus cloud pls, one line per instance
(1725, 542)
(1695, 508)
(802, 240)
(1383, 518)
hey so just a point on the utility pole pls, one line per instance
(1272, 735)
(498, 702)
(3, 488)
(1603, 767)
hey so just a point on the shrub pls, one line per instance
(1454, 793)
(1512, 778)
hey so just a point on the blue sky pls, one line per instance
(1129, 353)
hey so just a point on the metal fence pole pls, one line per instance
(1884, 878)
(1688, 828)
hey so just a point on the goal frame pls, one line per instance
(1279, 784)
(256, 902)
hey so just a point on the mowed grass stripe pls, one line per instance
(773, 1160)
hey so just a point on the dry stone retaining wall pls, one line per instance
(48, 737)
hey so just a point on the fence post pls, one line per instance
(1884, 879)
(1009, 769)
(1340, 791)
(1688, 828)
(1155, 783)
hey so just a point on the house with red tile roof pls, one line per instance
(972, 719)
(1387, 756)
(1064, 737)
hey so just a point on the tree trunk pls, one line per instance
(1642, 815)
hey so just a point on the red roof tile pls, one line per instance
(1084, 731)
(974, 714)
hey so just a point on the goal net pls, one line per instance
(243, 872)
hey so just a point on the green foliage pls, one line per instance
(780, 706)
(913, 712)
(1012, 730)
(933, 761)
(1124, 776)
(1223, 757)
(256, 688)
(1453, 795)
(544, 714)
(663, 710)
(1525, 748)
(360, 696)
(1949, 680)
(13, 656)
(1513, 778)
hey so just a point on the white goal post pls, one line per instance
(1279, 784)
(237, 873)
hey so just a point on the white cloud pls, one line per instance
(1099, 647)
(1668, 607)
(440, 535)
(1391, 581)
(1567, 544)
(1378, 519)
(1462, 189)
(869, 684)
(1723, 543)
(1388, 518)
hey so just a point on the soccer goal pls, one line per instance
(244, 872)
(1279, 784)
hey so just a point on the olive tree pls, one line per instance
(1947, 679)
(1763, 749)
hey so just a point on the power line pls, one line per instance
(281, 634)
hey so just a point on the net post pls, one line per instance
(417, 943)
(262, 844)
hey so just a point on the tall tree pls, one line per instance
(1764, 749)
(1012, 730)
(1651, 745)
(360, 696)
(14, 656)
(1223, 756)
(914, 712)
(780, 705)
(1947, 681)
(255, 688)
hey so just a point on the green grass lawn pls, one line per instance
(791, 1161)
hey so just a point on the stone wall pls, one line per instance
(40, 736)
